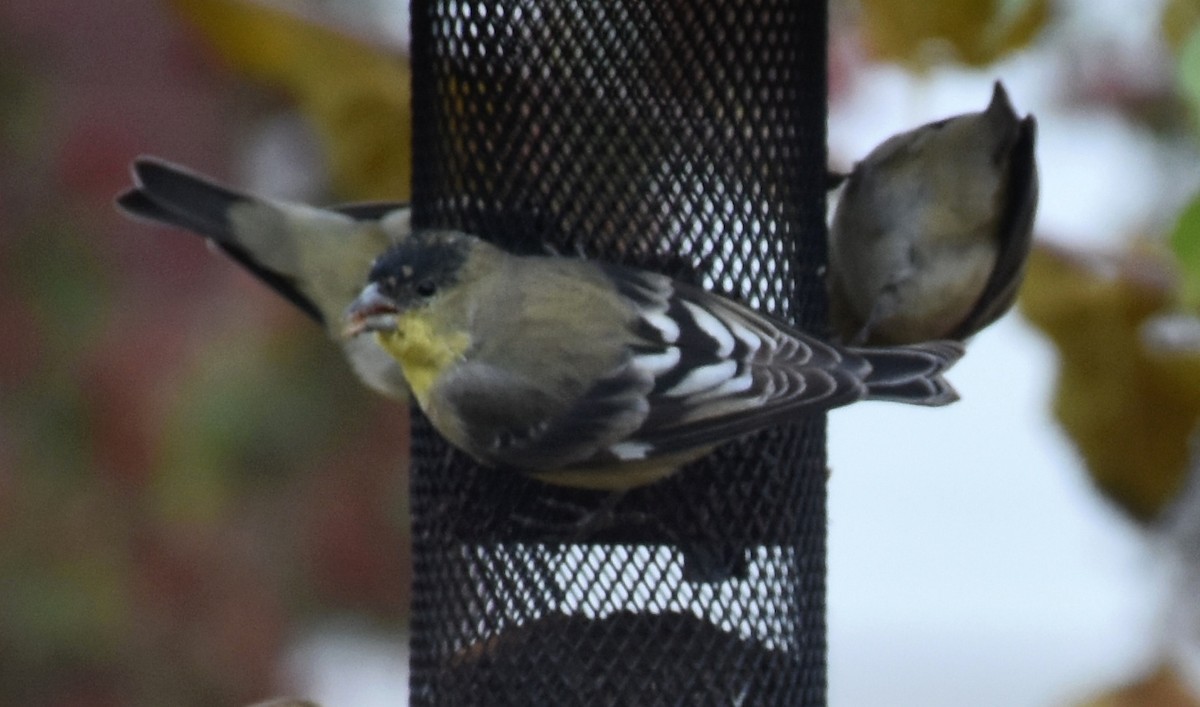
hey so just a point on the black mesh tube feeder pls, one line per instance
(683, 136)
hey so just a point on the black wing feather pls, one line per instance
(734, 371)
(783, 371)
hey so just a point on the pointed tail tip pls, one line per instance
(928, 392)
(131, 201)
(942, 393)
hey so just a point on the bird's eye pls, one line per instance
(425, 288)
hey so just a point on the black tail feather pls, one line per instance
(169, 194)
(173, 196)
(913, 373)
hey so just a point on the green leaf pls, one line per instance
(1185, 244)
(1188, 75)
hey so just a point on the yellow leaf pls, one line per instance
(975, 32)
(1161, 688)
(1129, 410)
(357, 95)
(1180, 19)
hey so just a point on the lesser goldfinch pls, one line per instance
(318, 259)
(933, 228)
(598, 376)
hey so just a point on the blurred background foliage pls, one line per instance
(189, 476)
(190, 479)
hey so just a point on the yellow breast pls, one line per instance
(423, 353)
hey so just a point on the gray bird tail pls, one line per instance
(171, 195)
(166, 193)
(913, 373)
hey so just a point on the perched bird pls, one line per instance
(318, 259)
(931, 234)
(598, 376)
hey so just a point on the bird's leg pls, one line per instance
(585, 520)
(702, 561)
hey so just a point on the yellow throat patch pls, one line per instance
(422, 352)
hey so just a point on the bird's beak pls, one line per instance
(370, 311)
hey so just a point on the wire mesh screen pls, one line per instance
(684, 136)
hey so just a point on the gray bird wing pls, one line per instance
(1015, 234)
(703, 370)
(509, 420)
